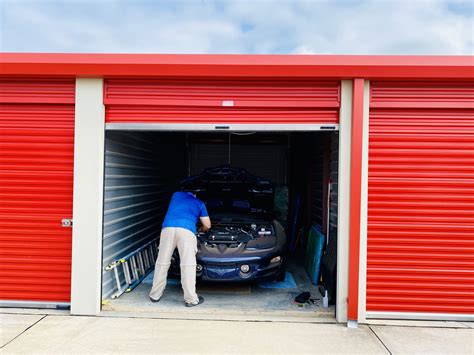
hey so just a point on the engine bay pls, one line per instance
(235, 233)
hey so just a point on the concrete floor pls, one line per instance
(232, 320)
(23, 333)
(225, 301)
(13, 324)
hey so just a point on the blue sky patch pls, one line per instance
(238, 26)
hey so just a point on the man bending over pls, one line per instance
(179, 230)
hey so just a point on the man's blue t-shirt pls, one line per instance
(184, 211)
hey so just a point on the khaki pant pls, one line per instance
(186, 242)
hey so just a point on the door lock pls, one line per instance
(66, 222)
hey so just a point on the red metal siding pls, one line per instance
(36, 186)
(203, 101)
(420, 255)
(29, 91)
(421, 94)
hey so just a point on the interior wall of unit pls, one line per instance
(314, 176)
(313, 164)
(262, 155)
(333, 173)
(329, 260)
(139, 172)
(316, 171)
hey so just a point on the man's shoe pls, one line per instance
(154, 301)
(201, 300)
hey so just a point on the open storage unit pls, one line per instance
(177, 124)
(142, 170)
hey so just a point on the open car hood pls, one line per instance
(227, 189)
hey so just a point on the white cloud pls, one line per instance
(238, 26)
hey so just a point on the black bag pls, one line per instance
(303, 297)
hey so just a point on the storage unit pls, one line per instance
(36, 185)
(143, 168)
(398, 166)
(420, 255)
(177, 104)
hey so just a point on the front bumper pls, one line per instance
(230, 270)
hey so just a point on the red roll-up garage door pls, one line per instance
(222, 101)
(420, 254)
(36, 185)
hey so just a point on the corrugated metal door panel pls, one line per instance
(232, 101)
(262, 93)
(154, 114)
(421, 94)
(58, 91)
(36, 187)
(420, 255)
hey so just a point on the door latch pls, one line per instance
(66, 222)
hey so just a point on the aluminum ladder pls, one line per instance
(135, 267)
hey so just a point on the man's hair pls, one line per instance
(191, 191)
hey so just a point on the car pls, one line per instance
(246, 243)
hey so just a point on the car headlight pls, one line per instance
(245, 268)
(276, 259)
(198, 267)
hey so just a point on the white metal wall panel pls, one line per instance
(132, 198)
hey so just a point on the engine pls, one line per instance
(236, 234)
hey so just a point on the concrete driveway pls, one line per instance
(57, 333)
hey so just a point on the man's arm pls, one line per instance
(206, 223)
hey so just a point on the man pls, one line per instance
(179, 230)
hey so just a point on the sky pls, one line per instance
(238, 26)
